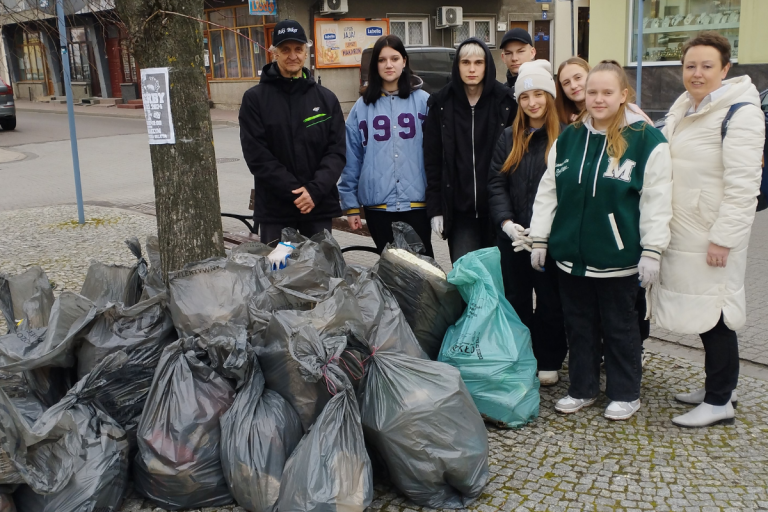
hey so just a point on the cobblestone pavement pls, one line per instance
(579, 462)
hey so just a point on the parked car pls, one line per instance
(7, 107)
(433, 64)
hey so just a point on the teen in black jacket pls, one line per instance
(458, 144)
(292, 133)
(519, 162)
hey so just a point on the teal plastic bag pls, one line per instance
(489, 344)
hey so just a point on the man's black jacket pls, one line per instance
(448, 148)
(293, 135)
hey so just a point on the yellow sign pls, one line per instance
(340, 43)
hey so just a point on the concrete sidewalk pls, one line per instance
(218, 116)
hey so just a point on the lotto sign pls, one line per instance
(157, 105)
(340, 43)
(262, 7)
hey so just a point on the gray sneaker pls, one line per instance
(569, 405)
(618, 411)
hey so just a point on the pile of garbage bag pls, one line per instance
(233, 382)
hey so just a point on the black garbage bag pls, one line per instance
(329, 471)
(179, 461)
(429, 302)
(134, 284)
(382, 316)
(258, 434)
(216, 290)
(337, 315)
(26, 299)
(74, 457)
(420, 417)
(153, 284)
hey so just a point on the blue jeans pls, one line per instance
(590, 303)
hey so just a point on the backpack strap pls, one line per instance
(727, 119)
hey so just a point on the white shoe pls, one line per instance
(548, 378)
(569, 405)
(697, 397)
(618, 411)
(705, 415)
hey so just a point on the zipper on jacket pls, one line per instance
(474, 171)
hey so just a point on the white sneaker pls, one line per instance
(569, 405)
(548, 378)
(696, 397)
(705, 415)
(618, 411)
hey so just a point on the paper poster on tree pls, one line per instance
(340, 43)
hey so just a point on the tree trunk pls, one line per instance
(186, 184)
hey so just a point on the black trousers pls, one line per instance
(721, 363)
(546, 322)
(380, 225)
(270, 233)
(590, 303)
(469, 234)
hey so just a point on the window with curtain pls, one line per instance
(239, 52)
(30, 55)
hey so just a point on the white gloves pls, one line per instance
(648, 271)
(280, 255)
(437, 225)
(538, 257)
(519, 235)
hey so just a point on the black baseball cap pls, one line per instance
(516, 34)
(288, 30)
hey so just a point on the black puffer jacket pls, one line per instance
(455, 164)
(293, 135)
(511, 194)
(511, 81)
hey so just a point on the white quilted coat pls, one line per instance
(715, 186)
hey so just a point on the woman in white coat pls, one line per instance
(716, 181)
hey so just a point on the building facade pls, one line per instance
(667, 24)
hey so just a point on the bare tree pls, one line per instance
(168, 33)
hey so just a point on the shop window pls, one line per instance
(30, 55)
(229, 54)
(413, 32)
(481, 28)
(79, 52)
(127, 62)
(667, 25)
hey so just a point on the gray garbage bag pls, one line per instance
(337, 315)
(258, 434)
(211, 291)
(30, 409)
(429, 302)
(49, 384)
(26, 299)
(134, 284)
(382, 316)
(420, 417)
(179, 462)
(49, 346)
(74, 457)
(321, 250)
(329, 471)
(153, 284)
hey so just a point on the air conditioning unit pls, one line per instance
(334, 6)
(448, 16)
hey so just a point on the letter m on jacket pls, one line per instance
(621, 172)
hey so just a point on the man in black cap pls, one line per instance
(516, 49)
(294, 142)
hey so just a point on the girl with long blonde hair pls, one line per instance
(519, 162)
(602, 213)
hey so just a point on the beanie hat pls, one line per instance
(533, 75)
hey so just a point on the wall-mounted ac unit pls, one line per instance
(334, 6)
(449, 16)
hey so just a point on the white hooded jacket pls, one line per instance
(715, 186)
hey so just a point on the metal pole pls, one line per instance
(70, 109)
(639, 87)
(573, 32)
